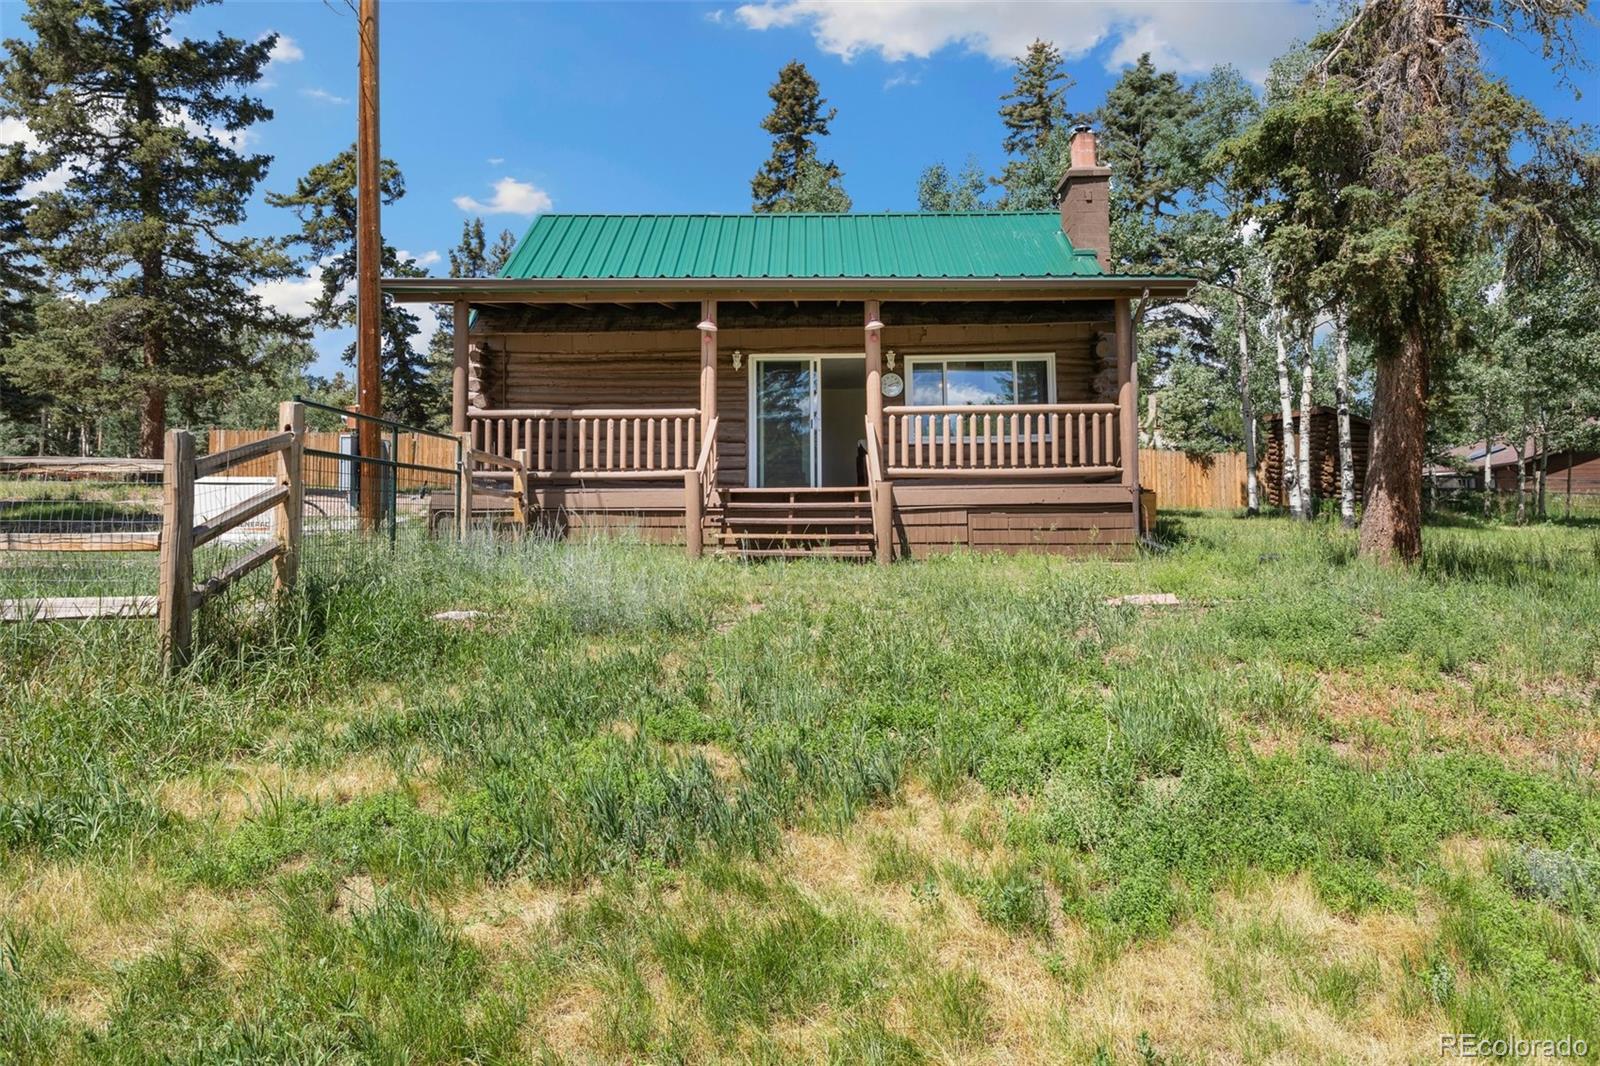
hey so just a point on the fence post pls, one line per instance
(883, 522)
(693, 533)
(291, 512)
(519, 486)
(175, 614)
(464, 500)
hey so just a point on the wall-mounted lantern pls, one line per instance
(889, 355)
(738, 359)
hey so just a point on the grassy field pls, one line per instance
(645, 810)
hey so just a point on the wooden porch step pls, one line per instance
(808, 507)
(831, 538)
(854, 554)
(782, 522)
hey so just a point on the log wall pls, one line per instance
(661, 368)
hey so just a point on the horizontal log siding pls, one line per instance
(630, 369)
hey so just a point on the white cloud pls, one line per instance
(511, 197)
(15, 131)
(426, 259)
(716, 16)
(905, 77)
(1185, 36)
(496, 160)
(285, 50)
(291, 296)
(323, 96)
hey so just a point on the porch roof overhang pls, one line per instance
(480, 292)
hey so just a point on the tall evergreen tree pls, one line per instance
(500, 252)
(20, 282)
(151, 125)
(1037, 102)
(324, 201)
(1035, 108)
(1141, 125)
(799, 116)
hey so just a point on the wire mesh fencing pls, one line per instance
(81, 533)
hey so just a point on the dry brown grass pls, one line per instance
(111, 916)
(1240, 986)
(231, 792)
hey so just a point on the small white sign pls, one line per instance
(893, 385)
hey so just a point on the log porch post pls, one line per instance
(874, 349)
(1127, 402)
(708, 364)
(458, 371)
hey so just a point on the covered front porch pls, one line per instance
(799, 422)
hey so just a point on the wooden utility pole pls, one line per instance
(369, 263)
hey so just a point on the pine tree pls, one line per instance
(324, 201)
(799, 116)
(500, 252)
(1035, 108)
(469, 259)
(152, 125)
(939, 190)
(1037, 102)
(1138, 138)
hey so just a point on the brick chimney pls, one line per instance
(1084, 196)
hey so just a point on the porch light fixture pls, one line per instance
(707, 326)
(889, 355)
(738, 359)
(875, 324)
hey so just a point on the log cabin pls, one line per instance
(855, 385)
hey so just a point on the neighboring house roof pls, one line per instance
(980, 244)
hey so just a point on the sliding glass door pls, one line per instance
(785, 414)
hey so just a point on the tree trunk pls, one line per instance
(1308, 481)
(1341, 389)
(1488, 465)
(1247, 411)
(1291, 478)
(1522, 480)
(1391, 518)
(152, 266)
(1544, 473)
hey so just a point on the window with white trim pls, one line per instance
(981, 380)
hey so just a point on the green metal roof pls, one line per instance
(978, 244)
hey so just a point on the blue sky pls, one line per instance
(597, 106)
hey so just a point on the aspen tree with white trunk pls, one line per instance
(1308, 507)
(1291, 476)
(1341, 393)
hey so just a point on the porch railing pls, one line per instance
(1003, 440)
(699, 492)
(592, 442)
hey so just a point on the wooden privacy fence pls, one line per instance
(413, 449)
(1202, 482)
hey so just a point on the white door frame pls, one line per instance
(753, 443)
